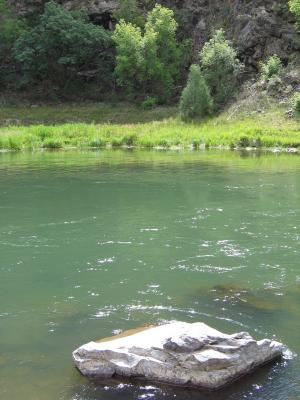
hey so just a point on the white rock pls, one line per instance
(177, 353)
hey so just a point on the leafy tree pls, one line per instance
(62, 47)
(272, 67)
(220, 66)
(10, 28)
(196, 101)
(129, 59)
(129, 11)
(295, 9)
(148, 63)
(161, 21)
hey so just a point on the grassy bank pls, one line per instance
(123, 125)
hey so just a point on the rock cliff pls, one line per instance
(258, 28)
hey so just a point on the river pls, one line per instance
(94, 243)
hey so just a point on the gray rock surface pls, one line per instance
(177, 353)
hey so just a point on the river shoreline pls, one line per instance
(128, 126)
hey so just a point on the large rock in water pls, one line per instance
(177, 353)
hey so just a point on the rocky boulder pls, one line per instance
(177, 353)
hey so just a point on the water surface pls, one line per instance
(95, 243)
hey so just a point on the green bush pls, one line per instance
(62, 47)
(149, 103)
(148, 62)
(295, 103)
(295, 9)
(196, 101)
(271, 68)
(220, 68)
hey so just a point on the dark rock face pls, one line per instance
(258, 28)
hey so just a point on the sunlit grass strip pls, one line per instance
(248, 132)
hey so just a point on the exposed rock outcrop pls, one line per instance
(177, 353)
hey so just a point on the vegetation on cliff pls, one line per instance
(61, 55)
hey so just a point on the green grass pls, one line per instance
(126, 125)
(96, 113)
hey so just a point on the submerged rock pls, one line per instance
(177, 353)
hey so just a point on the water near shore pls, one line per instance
(95, 243)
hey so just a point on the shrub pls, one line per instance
(295, 103)
(62, 47)
(271, 68)
(149, 103)
(295, 9)
(220, 67)
(196, 101)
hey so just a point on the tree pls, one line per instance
(219, 65)
(148, 63)
(161, 21)
(129, 59)
(295, 9)
(196, 101)
(10, 28)
(129, 11)
(62, 47)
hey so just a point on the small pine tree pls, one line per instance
(196, 101)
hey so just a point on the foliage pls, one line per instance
(220, 67)
(271, 68)
(10, 26)
(129, 11)
(295, 9)
(196, 101)
(62, 47)
(295, 103)
(130, 60)
(148, 63)
(161, 21)
(10, 29)
(149, 103)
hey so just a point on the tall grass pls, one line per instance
(270, 130)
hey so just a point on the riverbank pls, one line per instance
(102, 125)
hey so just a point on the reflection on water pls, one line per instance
(94, 243)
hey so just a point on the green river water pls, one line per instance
(92, 243)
